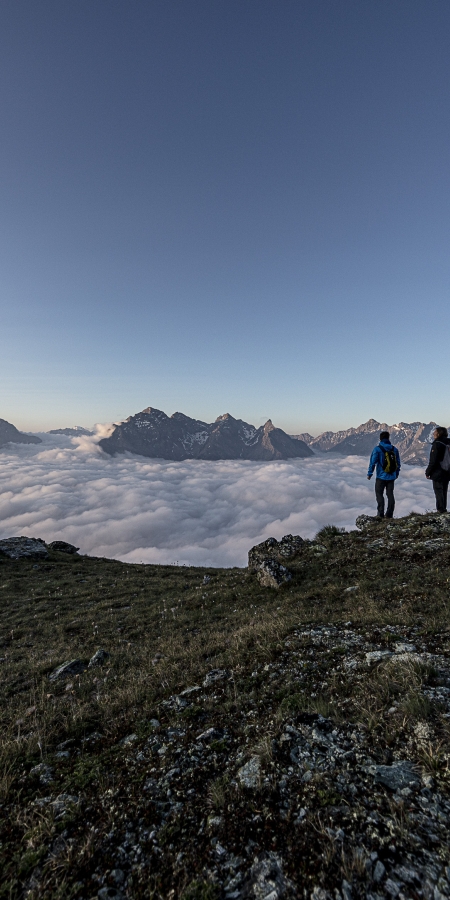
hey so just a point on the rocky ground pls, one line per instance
(230, 740)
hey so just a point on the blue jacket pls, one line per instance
(377, 459)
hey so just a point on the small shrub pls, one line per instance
(329, 532)
(200, 890)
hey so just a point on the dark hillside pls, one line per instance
(234, 741)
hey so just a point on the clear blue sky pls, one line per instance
(224, 206)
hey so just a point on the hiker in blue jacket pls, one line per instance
(387, 460)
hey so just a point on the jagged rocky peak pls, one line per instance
(154, 434)
(75, 431)
(10, 434)
(412, 439)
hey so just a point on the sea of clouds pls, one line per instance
(194, 513)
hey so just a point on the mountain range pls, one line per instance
(76, 431)
(152, 433)
(412, 439)
(10, 434)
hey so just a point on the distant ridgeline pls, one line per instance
(153, 433)
(412, 440)
(10, 434)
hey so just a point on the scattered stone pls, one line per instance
(190, 690)
(375, 656)
(250, 774)
(98, 659)
(271, 573)
(364, 522)
(397, 776)
(63, 547)
(109, 893)
(44, 772)
(379, 871)
(68, 669)
(346, 890)
(268, 880)
(23, 548)
(213, 676)
(129, 739)
(60, 804)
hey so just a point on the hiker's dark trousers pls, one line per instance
(380, 485)
(440, 492)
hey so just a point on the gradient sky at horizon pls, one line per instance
(233, 206)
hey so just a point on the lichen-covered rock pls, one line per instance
(364, 522)
(98, 659)
(268, 880)
(398, 776)
(23, 548)
(250, 774)
(63, 547)
(289, 546)
(68, 669)
(271, 573)
(214, 675)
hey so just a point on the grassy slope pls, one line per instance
(165, 629)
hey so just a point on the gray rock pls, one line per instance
(271, 573)
(250, 774)
(379, 871)
(23, 548)
(346, 890)
(364, 522)
(129, 739)
(98, 659)
(399, 775)
(44, 772)
(377, 655)
(63, 547)
(268, 880)
(289, 546)
(109, 893)
(68, 669)
(213, 676)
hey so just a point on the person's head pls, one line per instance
(440, 434)
(384, 436)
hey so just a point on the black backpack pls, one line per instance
(389, 461)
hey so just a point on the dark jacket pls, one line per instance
(377, 460)
(437, 451)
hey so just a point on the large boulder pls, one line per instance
(68, 670)
(289, 546)
(63, 547)
(23, 548)
(271, 573)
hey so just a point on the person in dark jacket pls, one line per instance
(434, 470)
(387, 460)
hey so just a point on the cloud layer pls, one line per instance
(195, 512)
